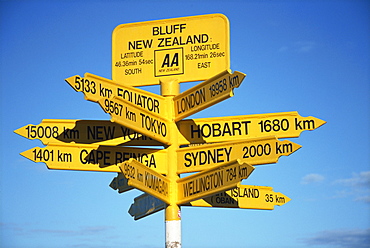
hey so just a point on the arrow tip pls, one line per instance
(72, 81)
(318, 122)
(281, 199)
(21, 131)
(29, 154)
(132, 210)
(287, 147)
(113, 184)
(239, 77)
(296, 147)
(101, 102)
(249, 170)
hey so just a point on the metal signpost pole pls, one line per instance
(170, 89)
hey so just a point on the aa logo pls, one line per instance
(174, 61)
(169, 62)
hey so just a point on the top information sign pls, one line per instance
(186, 49)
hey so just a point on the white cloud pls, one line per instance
(357, 180)
(299, 47)
(359, 238)
(304, 46)
(283, 49)
(358, 186)
(81, 231)
(312, 178)
(365, 199)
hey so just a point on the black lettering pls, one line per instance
(216, 129)
(118, 158)
(140, 44)
(186, 157)
(297, 124)
(160, 42)
(83, 155)
(166, 61)
(175, 60)
(192, 130)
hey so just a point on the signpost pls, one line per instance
(206, 94)
(222, 150)
(191, 48)
(96, 88)
(120, 183)
(255, 151)
(95, 158)
(231, 128)
(97, 132)
(145, 205)
(146, 179)
(244, 196)
(211, 181)
(125, 113)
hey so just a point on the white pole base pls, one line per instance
(173, 234)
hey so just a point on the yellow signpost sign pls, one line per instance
(229, 128)
(146, 179)
(95, 158)
(206, 94)
(187, 48)
(125, 113)
(255, 151)
(244, 196)
(96, 88)
(211, 181)
(97, 132)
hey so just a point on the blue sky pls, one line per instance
(305, 56)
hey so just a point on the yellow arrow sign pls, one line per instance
(84, 132)
(244, 196)
(146, 179)
(95, 88)
(127, 114)
(220, 178)
(95, 158)
(255, 151)
(186, 48)
(219, 129)
(206, 94)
